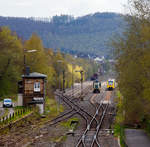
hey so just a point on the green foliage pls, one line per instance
(39, 61)
(52, 107)
(120, 109)
(88, 66)
(119, 119)
(119, 132)
(10, 61)
(67, 124)
(19, 112)
(43, 61)
(133, 52)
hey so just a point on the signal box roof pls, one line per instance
(34, 75)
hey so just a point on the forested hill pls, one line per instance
(83, 35)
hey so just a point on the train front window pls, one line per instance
(110, 82)
(96, 85)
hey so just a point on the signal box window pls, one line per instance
(37, 86)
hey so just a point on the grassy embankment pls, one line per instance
(51, 111)
(118, 126)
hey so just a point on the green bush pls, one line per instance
(119, 132)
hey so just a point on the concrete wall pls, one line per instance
(41, 108)
(20, 99)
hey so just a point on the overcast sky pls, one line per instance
(47, 8)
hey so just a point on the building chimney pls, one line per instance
(27, 70)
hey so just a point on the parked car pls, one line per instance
(7, 103)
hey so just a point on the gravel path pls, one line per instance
(137, 138)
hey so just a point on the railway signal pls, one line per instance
(81, 72)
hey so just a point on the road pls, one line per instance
(137, 138)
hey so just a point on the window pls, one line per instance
(37, 86)
(110, 82)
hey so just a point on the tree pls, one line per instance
(10, 61)
(39, 61)
(133, 52)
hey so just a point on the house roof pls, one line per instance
(34, 75)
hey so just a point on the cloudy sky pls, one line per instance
(46, 8)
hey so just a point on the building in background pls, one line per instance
(32, 90)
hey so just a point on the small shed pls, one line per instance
(33, 89)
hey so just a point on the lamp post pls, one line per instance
(81, 72)
(60, 61)
(72, 81)
(27, 51)
(63, 81)
(63, 88)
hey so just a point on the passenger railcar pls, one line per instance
(110, 84)
(96, 86)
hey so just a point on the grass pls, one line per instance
(118, 125)
(6, 111)
(67, 124)
(52, 108)
(51, 111)
(16, 116)
(35, 119)
(120, 110)
(119, 132)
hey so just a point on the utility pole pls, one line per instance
(60, 87)
(81, 72)
(81, 80)
(24, 59)
(72, 82)
(63, 81)
(24, 62)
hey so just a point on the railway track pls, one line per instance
(89, 137)
(76, 92)
(70, 100)
(92, 122)
(78, 110)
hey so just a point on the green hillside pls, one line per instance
(82, 36)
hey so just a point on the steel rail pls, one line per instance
(76, 108)
(99, 126)
(56, 120)
(82, 138)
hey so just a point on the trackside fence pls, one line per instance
(15, 115)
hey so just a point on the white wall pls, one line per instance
(20, 100)
(41, 108)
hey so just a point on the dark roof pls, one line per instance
(34, 75)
